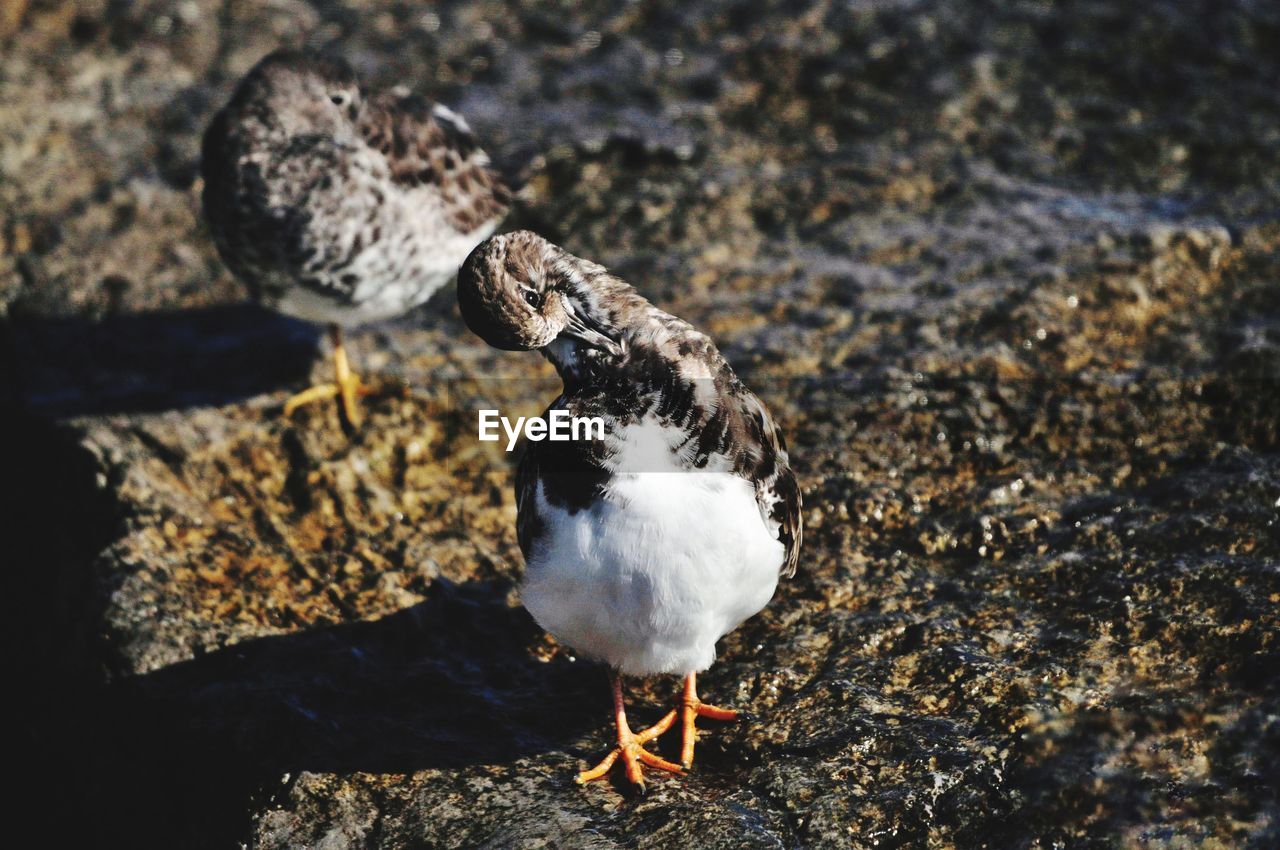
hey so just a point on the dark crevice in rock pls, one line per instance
(59, 513)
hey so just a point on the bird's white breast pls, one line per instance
(648, 577)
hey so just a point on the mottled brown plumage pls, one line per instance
(338, 205)
(429, 146)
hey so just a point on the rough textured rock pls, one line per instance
(1007, 273)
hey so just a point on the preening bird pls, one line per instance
(644, 548)
(341, 206)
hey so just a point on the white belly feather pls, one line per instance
(649, 577)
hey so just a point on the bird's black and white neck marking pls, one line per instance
(672, 406)
(338, 205)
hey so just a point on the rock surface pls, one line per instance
(1006, 272)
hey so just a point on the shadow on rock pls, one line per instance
(162, 360)
(180, 755)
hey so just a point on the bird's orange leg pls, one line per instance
(347, 386)
(691, 709)
(631, 744)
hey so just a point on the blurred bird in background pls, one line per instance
(342, 206)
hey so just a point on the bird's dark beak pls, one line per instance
(588, 332)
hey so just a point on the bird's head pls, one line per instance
(302, 92)
(519, 292)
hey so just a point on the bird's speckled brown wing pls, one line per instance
(777, 491)
(427, 145)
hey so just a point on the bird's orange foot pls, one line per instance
(347, 392)
(633, 754)
(691, 708)
(346, 386)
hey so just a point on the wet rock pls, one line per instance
(1005, 272)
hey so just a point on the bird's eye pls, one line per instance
(533, 297)
(339, 99)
